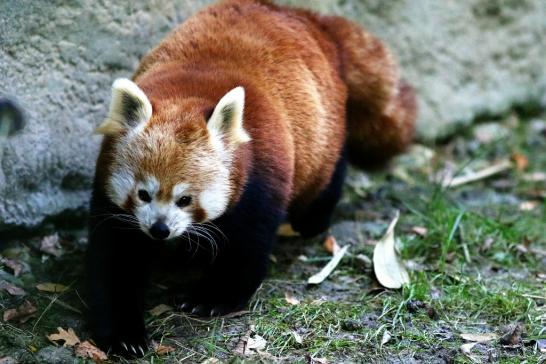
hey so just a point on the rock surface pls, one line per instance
(58, 59)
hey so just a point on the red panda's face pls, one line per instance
(172, 171)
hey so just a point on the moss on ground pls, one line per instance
(477, 265)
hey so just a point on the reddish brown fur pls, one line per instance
(300, 71)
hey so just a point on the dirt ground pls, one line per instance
(476, 254)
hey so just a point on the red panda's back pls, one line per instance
(284, 55)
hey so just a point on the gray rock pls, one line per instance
(58, 59)
(55, 355)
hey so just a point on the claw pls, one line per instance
(133, 349)
(124, 346)
(184, 305)
(141, 350)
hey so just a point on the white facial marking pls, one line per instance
(215, 198)
(120, 184)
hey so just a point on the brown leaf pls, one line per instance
(15, 266)
(50, 245)
(521, 161)
(330, 244)
(68, 336)
(480, 338)
(163, 349)
(291, 299)
(11, 289)
(22, 313)
(88, 350)
(51, 287)
(420, 230)
(512, 334)
(160, 309)
(285, 230)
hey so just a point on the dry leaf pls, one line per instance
(51, 287)
(160, 309)
(521, 161)
(88, 350)
(11, 289)
(256, 343)
(330, 244)
(22, 313)
(420, 230)
(466, 348)
(364, 260)
(50, 245)
(68, 336)
(163, 349)
(8, 360)
(534, 177)
(528, 205)
(480, 338)
(474, 176)
(318, 361)
(285, 230)
(291, 299)
(16, 266)
(386, 337)
(389, 270)
(541, 345)
(211, 361)
(297, 337)
(328, 268)
(512, 335)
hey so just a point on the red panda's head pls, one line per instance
(171, 167)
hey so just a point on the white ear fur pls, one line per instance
(227, 117)
(129, 108)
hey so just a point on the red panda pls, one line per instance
(243, 117)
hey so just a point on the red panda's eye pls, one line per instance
(183, 201)
(144, 196)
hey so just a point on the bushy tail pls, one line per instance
(382, 108)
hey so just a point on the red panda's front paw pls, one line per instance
(210, 310)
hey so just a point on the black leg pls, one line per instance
(117, 272)
(248, 234)
(317, 217)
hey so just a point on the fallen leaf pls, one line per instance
(285, 230)
(160, 309)
(388, 268)
(534, 177)
(541, 345)
(22, 313)
(466, 348)
(291, 299)
(51, 287)
(420, 230)
(521, 161)
(319, 361)
(8, 360)
(474, 176)
(256, 343)
(330, 244)
(480, 338)
(11, 289)
(528, 205)
(15, 266)
(163, 349)
(68, 336)
(211, 361)
(386, 337)
(364, 260)
(88, 350)
(50, 245)
(328, 268)
(512, 335)
(297, 337)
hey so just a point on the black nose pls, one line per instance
(159, 230)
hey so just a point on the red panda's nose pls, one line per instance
(159, 230)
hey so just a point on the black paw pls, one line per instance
(309, 228)
(128, 344)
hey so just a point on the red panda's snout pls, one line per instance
(171, 170)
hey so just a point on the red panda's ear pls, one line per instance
(227, 117)
(129, 108)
